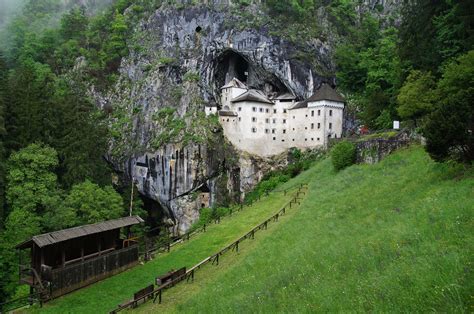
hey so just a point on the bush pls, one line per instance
(343, 155)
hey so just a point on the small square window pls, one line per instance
(267, 120)
(273, 131)
(330, 113)
(312, 139)
(293, 117)
(254, 130)
(240, 118)
(305, 127)
(293, 140)
(284, 110)
(261, 109)
(254, 119)
(305, 139)
(240, 108)
(317, 139)
(312, 126)
(284, 120)
(306, 115)
(319, 125)
(282, 140)
(284, 131)
(267, 131)
(267, 110)
(319, 112)
(274, 120)
(312, 113)
(254, 109)
(274, 138)
(330, 125)
(274, 111)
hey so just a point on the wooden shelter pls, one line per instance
(69, 259)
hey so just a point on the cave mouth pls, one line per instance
(198, 29)
(230, 64)
(156, 214)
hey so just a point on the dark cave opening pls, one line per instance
(156, 215)
(198, 29)
(230, 64)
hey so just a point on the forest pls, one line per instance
(416, 66)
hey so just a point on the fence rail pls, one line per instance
(213, 259)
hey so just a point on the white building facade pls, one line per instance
(258, 125)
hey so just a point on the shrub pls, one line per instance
(343, 155)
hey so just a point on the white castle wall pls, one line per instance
(269, 129)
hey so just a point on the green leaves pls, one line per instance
(343, 155)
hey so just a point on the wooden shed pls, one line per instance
(62, 261)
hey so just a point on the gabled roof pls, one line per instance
(325, 92)
(235, 83)
(285, 96)
(76, 232)
(252, 95)
(227, 113)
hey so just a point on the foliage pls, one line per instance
(89, 203)
(416, 96)
(449, 128)
(343, 154)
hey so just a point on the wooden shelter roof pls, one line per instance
(54, 237)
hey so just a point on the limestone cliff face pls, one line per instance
(180, 58)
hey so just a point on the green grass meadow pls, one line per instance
(392, 237)
(105, 295)
(397, 236)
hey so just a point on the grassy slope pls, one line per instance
(396, 236)
(107, 294)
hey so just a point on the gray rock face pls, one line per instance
(167, 48)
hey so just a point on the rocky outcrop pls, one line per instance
(180, 58)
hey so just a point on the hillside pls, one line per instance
(396, 236)
(387, 237)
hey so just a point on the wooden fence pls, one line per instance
(166, 247)
(213, 259)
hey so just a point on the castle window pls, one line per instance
(223, 120)
(305, 139)
(330, 113)
(312, 113)
(284, 110)
(293, 129)
(306, 115)
(319, 112)
(274, 120)
(282, 140)
(312, 139)
(261, 109)
(240, 118)
(227, 120)
(254, 130)
(267, 120)
(240, 108)
(284, 120)
(267, 131)
(274, 111)
(305, 127)
(293, 140)
(319, 125)
(254, 119)
(293, 117)
(267, 110)
(274, 138)
(312, 126)
(284, 131)
(330, 125)
(273, 131)
(254, 109)
(317, 139)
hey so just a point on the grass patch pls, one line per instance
(392, 237)
(107, 294)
